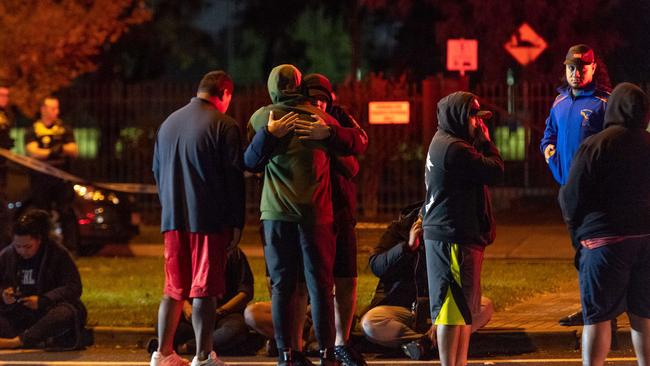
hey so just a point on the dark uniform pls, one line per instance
(6, 142)
(47, 190)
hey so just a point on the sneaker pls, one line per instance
(152, 345)
(299, 359)
(212, 360)
(418, 350)
(271, 348)
(328, 358)
(348, 356)
(173, 359)
(572, 320)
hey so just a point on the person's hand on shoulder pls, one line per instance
(317, 130)
(281, 127)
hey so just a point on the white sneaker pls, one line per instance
(173, 359)
(212, 360)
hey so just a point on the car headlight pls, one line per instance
(90, 193)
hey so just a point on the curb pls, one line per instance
(126, 337)
(513, 342)
(483, 342)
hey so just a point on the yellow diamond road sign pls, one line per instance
(525, 45)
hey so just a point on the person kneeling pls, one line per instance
(398, 315)
(41, 289)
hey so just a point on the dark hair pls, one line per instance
(35, 223)
(215, 82)
(601, 76)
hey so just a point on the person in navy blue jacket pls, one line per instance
(197, 165)
(577, 111)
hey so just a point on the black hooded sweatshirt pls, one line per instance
(457, 207)
(608, 191)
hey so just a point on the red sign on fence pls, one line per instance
(462, 55)
(384, 113)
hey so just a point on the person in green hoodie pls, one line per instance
(296, 205)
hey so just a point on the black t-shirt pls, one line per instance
(27, 274)
(239, 277)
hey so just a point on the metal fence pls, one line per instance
(115, 125)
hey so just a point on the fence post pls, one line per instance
(527, 104)
(429, 121)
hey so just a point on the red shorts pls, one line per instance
(195, 263)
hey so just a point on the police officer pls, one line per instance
(51, 141)
(6, 142)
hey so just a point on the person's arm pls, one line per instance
(391, 253)
(348, 166)
(266, 139)
(259, 151)
(350, 133)
(235, 188)
(339, 140)
(480, 167)
(33, 151)
(245, 287)
(575, 194)
(70, 149)
(67, 279)
(549, 140)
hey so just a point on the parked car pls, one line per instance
(95, 218)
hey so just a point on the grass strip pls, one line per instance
(127, 291)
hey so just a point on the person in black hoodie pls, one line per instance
(457, 219)
(398, 314)
(41, 288)
(606, 206)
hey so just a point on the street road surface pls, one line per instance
(96, 356)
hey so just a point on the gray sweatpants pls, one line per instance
(390, 326)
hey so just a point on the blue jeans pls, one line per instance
(285, 244)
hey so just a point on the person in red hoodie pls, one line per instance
(343, 169)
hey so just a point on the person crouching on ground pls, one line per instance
(41, 288)
(398, 314)
(457, 219)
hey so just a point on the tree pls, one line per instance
(170, 46)
(46, 44)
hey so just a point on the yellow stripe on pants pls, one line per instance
(450, 313)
